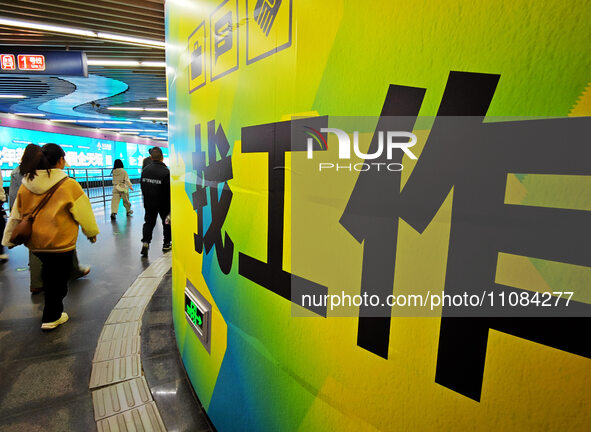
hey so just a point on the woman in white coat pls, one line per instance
(121, 186)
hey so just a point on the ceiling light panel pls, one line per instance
(134, 40)
(47, 27)
(108, 62)
(153, 64)
(125, 109)
(137, 109)
(81, 32)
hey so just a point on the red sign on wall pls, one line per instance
(31, 62)
(7, 61)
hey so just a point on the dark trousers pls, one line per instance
(2, 226)
(55, 274)
(150, 217)
(36, 282)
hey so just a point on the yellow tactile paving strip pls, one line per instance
(122, 400)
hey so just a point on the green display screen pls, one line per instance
(192, 310)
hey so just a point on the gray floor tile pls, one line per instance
(62, 415)
(179, 410)
(172, 392)
(158, 339)
(38, 382)
(161, 303)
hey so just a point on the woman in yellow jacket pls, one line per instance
(55, 229)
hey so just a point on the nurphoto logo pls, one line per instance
(387, 142)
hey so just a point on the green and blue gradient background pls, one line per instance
(269, 371)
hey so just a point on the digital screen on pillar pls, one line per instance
(194, 313)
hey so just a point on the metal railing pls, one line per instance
(96, 182)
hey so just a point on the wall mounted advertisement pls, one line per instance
(81, 152)
(385, 206)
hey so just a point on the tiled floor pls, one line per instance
(163, 369)
(44, 376)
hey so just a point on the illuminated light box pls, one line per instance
(7, 62)
(81, 152)
(198, 314)
(30, 62)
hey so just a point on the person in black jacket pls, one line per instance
(155, 184)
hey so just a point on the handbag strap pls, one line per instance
(47, 197)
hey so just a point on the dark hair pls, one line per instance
(53, 153)
(156, 153)
(147, 161)
(30, 160)
(118, 164)
(37, 158)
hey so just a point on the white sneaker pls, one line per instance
(54, 324)
(3, 257)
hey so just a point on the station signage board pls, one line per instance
(31, 62)
(34, 62)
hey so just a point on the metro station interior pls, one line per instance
(379, 211)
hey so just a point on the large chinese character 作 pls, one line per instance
(474, 158)
(211, 173)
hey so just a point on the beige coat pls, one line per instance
(120, 177)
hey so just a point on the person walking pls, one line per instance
(148, 160)
(121, 186)
(155, 184)
(35, 280)
(3, 256)
(55, 228)
(15, 182)
(16, 179)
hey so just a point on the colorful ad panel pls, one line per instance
(327, 154)
(81, 152)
